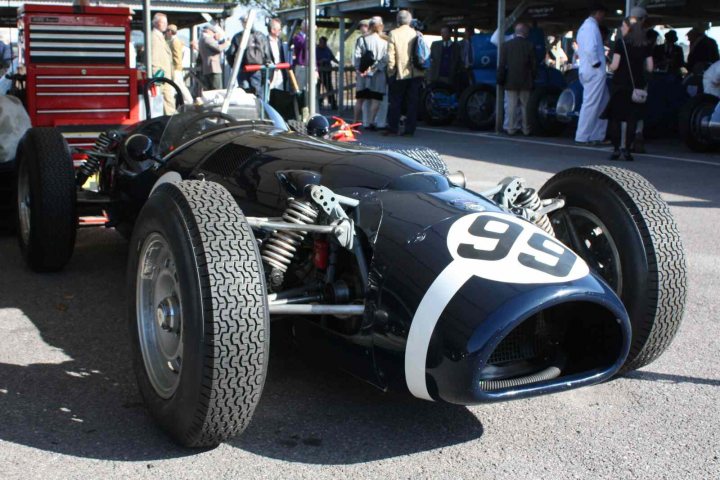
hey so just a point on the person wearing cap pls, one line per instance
(177, 48)
(212, 44)
(703, 51)
(669, 57)
(591, 52)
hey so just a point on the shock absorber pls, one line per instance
(530, 201)
(92, 164)
(279, 250)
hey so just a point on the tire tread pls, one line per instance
(235, 311)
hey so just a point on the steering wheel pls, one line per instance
(185, 126)
(179, 102)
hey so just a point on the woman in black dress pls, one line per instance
(631, 55)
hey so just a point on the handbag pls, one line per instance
(367, 59)
(639, 95)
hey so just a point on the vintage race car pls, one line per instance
(386, 266)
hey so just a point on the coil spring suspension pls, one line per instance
(530, 201)
(92, 164)
(279, 250)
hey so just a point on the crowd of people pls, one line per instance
(388, 69)
(635, 53)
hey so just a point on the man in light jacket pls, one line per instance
(403, 77)
(177, 47)
(591, 51)
(161, 61)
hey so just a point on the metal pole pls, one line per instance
(315, 309)
(499, 92)
(628, 5)
(341, 66)
(238, 59)
(310, 68)
(147, 31)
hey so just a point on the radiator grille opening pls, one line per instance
(566, 339)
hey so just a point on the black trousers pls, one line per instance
(326, 81)
(404, 92)
(615, 132)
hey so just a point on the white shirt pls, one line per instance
(590, 46)
(494, 39)
(277, 79)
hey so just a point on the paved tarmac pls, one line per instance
(69, 407)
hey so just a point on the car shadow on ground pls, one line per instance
(670, 378)
(66, 383)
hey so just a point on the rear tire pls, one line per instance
(477, 107)
(432, 113)
(200, 353)
(541, 121)
(689, 118)
(641, 234)
(45, 200)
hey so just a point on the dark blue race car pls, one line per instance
(380, 262)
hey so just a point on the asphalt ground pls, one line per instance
(69, 407)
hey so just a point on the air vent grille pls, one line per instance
(227, 159)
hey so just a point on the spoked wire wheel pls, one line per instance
(159, 313)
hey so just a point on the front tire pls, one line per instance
(198, 312)
(617, 221)
(45, 206)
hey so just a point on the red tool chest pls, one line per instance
(77, 64)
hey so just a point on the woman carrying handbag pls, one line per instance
(632, 57)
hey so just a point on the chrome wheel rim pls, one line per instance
(24, 202)
(588, 236)
(159, 314)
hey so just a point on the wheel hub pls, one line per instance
(159, 315)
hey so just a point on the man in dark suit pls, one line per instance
(517, 70)
(444, 59)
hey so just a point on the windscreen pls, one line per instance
(193, 121)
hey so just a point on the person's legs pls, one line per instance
(512, 98)
(374, 107)
(614, 132)
(216, 81)
(358, 110)
(256, 83)
(639, 145)
(178, 78)
(168, 93)
(413, 93)
(630, 133)
(396, 89)
(590, 126)
(524, 98)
